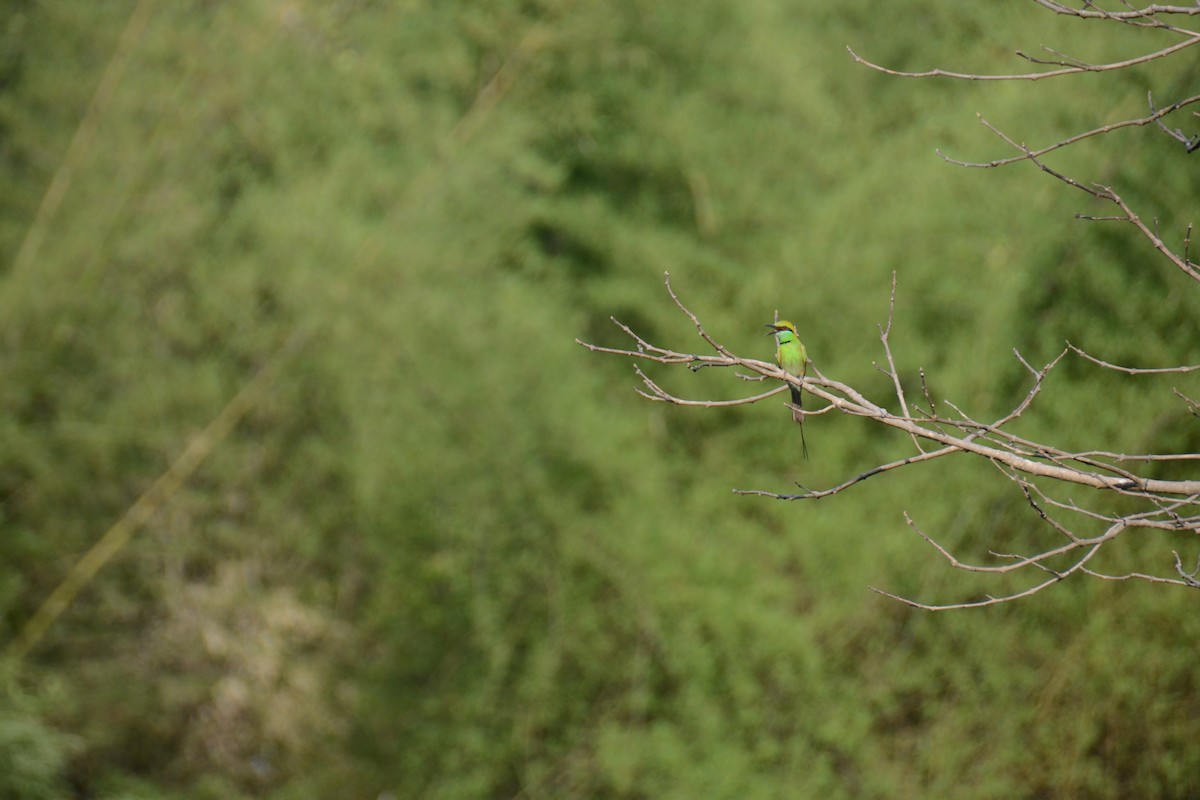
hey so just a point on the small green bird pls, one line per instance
(792, 357)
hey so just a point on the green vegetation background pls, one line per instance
(450, 554)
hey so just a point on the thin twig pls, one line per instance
(884, 337)
(1029, 76)
(841, 487)
(1155, 117)
(1132, 370)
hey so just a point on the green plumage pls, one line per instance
(792, 357)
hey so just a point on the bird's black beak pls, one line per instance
(773, 329)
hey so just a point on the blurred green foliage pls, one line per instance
(451, 554)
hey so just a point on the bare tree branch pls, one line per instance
(1132, 370)
(850, 401)
(1101, 192)
(1167, 505)
(884, 335)
(1091, 12)
(816, 495)
(1073, 69)
(1153, 118)
(1164, 511)
(1190, 143)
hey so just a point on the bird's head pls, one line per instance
(781, 326)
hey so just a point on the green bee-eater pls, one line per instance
(792, 357)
